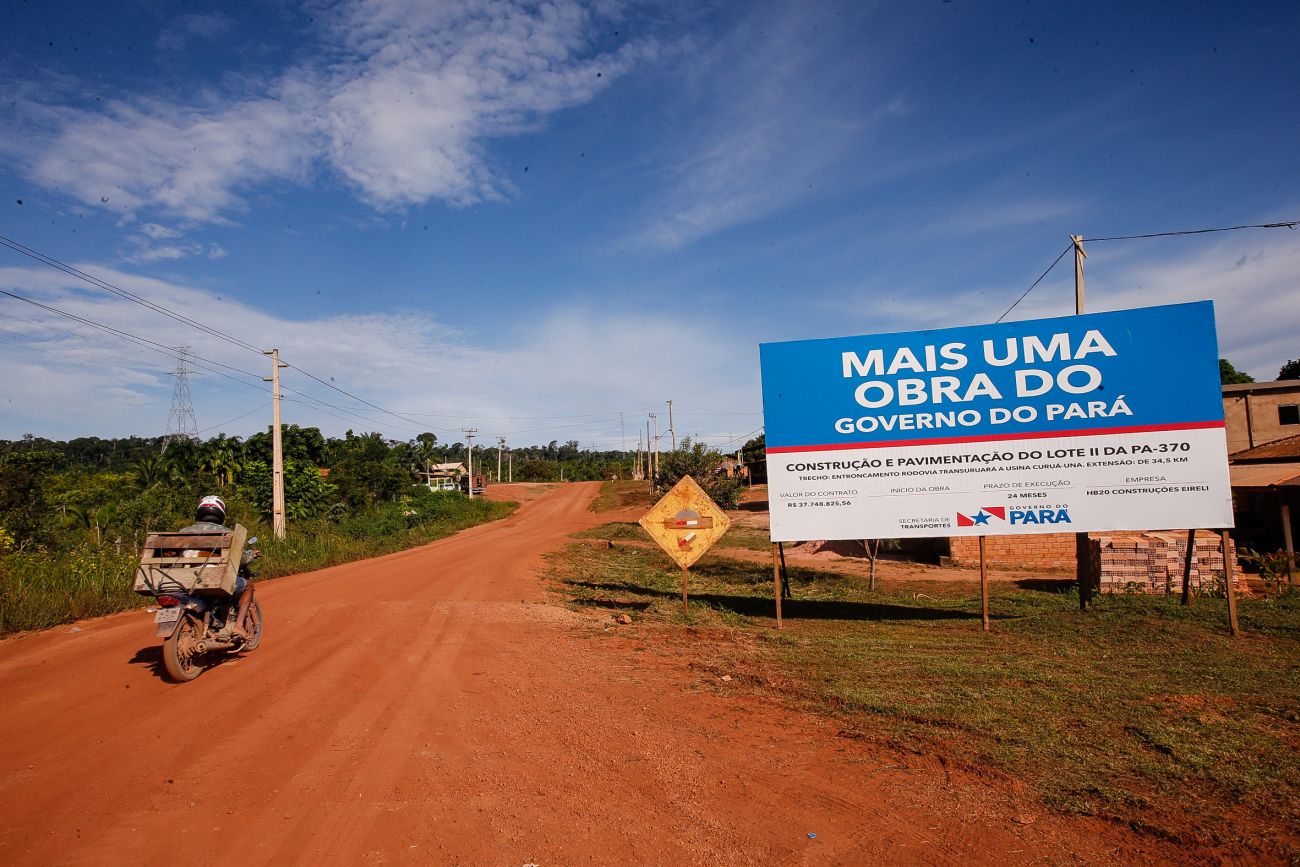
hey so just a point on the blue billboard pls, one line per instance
(1145, 369)
(1105, 421)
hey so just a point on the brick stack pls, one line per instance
(1037, 551)
(1153, 562)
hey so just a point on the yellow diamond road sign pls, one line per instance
(686, 522)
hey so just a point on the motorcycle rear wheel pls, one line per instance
(254, 618)
(180, 662)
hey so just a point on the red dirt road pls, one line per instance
(431, 707)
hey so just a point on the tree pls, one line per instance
(306, 494)
(1229, 375)
(701, 463)
(425, 448)
(367, 471)
(536, 471)
(299, 443)
(220, 458)
(23, 508)
(149, 472)
(1290, 370)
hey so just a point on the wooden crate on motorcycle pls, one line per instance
(192, 563)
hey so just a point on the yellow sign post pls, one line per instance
(685, 523)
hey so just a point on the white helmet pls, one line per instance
(211, 508)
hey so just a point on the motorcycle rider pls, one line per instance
(210, 518)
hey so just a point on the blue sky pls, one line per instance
(511, 215)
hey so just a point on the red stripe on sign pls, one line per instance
(987, 438)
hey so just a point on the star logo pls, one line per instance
(982, 517)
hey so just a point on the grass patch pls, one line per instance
(43, 589)
(619, 494)
(1140, 710)
(624, 531)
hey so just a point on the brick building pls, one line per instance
(1257, 413)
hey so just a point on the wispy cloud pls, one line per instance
(191, 28)
(402, 109)
(767, 128)
(989, 213)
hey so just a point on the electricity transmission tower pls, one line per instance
(181, 424)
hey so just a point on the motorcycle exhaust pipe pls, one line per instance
(203, 645)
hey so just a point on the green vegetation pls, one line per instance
(39, 589)
(735, 537)
(1140, 710)
(1230, 375)
(73, 515)
(701, 463)
(622, 494)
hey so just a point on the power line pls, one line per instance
(178, 317)
(74, 353)
(125, 335)
(237, 418)
(718, 412)
(1286, 224)
(1035, 283)
(243, 344)
(528, 417)
(198, 361)
(1289, 224)
(123, 293)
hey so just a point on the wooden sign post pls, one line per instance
(685, 523)
(984, 587)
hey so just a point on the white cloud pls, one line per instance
(184, 161)
(157, 232)
(402, 105)
(570, 361)
(1253, 278)
(144, 249)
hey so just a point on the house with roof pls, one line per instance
(443, 477)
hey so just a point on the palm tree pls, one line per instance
(150, 472)
(221, 459)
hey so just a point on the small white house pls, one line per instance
(444, 477)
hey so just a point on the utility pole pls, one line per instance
(636, 472)
(501, 443)
(649, 473)
(469, 438)
(1079, 256)
(1082, 544)
(510, 466)
(672, 430)
(277, 447)
(655, 416)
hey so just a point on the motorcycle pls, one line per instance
(194, 627)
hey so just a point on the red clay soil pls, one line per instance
(431, 707)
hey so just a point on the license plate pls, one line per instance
(168, 615)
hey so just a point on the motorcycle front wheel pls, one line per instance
(179, 659)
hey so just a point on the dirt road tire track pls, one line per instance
(431, 707)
